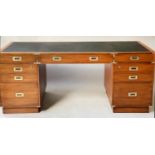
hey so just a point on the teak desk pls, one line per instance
(129, 72)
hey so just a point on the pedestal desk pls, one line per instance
(129, 72)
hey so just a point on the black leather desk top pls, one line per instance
(75, 47)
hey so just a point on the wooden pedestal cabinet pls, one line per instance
(22, 87)
(129, 86)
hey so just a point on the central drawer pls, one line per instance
(75, 58)
(132, 95)
(20, 95)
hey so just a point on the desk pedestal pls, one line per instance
(129, 86)
(22, 87)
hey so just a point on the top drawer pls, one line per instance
(17, 58)
(134, 57)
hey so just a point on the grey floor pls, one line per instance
(77, 91)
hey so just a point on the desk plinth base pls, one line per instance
(130, 110)
(20, 110)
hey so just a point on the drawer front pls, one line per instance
(133, 68)
(118, 77)
(57, 58)
(134, 57)
(132, 95)
(17, 58)
(20, 102)
(20, 68)
(20, 95)
(94, 58)
(75, 58)
(18, 78)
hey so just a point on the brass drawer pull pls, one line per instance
(17, 58)
(56, 58)
(19, 94)
(132, 94)
(93, 58)
(133, 68)
(134, 58)
(133, 77)
(17, 69)
(18, 78)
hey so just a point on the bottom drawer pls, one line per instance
(132, 95)
(20, 95)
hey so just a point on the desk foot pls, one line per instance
(20, 110)
(131, 110)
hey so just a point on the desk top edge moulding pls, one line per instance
(129, 68)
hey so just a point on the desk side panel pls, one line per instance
(42, 81)
(108, 80)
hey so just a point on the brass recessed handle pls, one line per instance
(17, 58)
(18, 69)
(56, 58)
(133, 68)
(18, 78)
(19, 94)
(132, 94)
(93, 58)
(133, 77)
(133, 58)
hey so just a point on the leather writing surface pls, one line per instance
(75, 47)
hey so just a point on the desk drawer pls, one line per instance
(132, 95)
(75, 58)
(57, 58)
(20, 95)
(135, 57)
(18, 78)
(20, 68)
(133, 68)
(119, 77)
(94, 58)
(17, 58)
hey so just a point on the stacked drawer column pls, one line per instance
(131, 82)
(20, 85)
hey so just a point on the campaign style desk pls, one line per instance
(128, 82)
